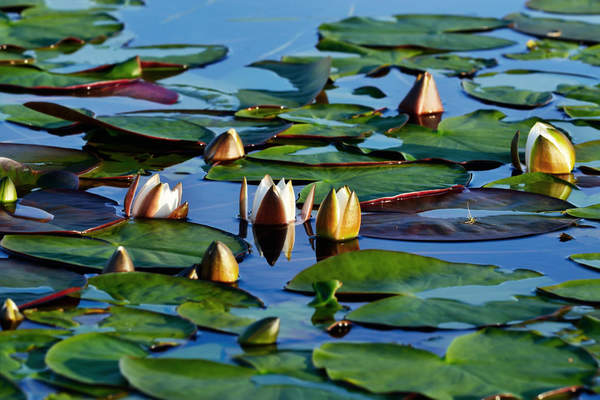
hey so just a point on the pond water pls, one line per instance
(270, 30)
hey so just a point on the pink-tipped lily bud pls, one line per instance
(8, 191)
(339, 216)
(155, 200)
(423, 97)
(218, 264)
(228, 146)
(549, 150)
(10, 316)
(273, 204)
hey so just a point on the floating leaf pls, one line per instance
(537, 182)
(451, 65)
(296, 363)
(151, 244)
(479, 365)
(24, 341)
(588, 151)
(589, 55)
(92, 358)
(24, 282)
(545, 49)
(211, 315)
(9, 390)
(590, 212)
(390, 272)
(589, 259)
(19, 114)
(313, 155)
(560, 7)
(581, 290)
(369, 182)
(555, 28)
(585, 112)
(407, 311)
(428, 31)
(507, 96)
(580, 92)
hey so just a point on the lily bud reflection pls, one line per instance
(228, 146)
(339, 216)
(155, 200)
(272, 240)
(327, 248)
(549, 150)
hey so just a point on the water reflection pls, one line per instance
(272, 240)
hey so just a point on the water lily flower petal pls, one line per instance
(339, 216)
(265, 184)
(155, 200)
(271, 210)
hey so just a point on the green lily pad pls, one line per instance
(390, 272)
(151, 244)
(589, 55)
(313, 155)
(555, 28)
(479, 365)
(589, 259)
(409, 311)
(545, 49)
(169, 378)
(590, 212)
(440, 32)
(584, 112)
(450, 64)
(59, 318)
(137, 288)
(24, 282)
(24, 341)
(212, 315)
(588, 151)
(507, 96)
(21, 115)
(92, 358)
(296, 363)
(580, 92)
(9, 390)
(76, 390)
(581, 290)
(369, 182)
(560, 7)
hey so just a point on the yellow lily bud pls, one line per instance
(120, 261)
(423, 97)
(274, 204)
(549, 150)
(339, 216)
(8, 191)
(10, 316)
(218, 264)
(261, 332)
(228, 146)
(155, 200)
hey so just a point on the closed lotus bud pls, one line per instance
(339, 216)
(8, 191)
(155, 200)
(274, 204)
(549, 150)
(261, 332)
(219, 264)
(120, 261)
(10, 316)
(423, 97)
(190, 273)
(227, 146)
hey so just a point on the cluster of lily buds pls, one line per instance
(339, 216)
(8, 191)
(10, 316)
(120, 261)
(228, 146)
(155, 200)
(218, 264)
(262, 332)
(423, 98)
(549, 150)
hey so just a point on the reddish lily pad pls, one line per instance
(464, 215)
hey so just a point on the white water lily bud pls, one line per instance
(10, 316)
(228, 146)
(155, 200)
(273, 204)
(339, 215)
(549, 150)
(8, 191)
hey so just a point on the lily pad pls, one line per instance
(21, 115)
(555, 28)
(584, 112)
(560, 7)
(590, 212)
(151, 244)
(580, 92)
(409, 311)
(384, 272)
(369, 182)
(440, 32)
(297, 363)
(536, 182)
(479, 365)
(212, 315)
(24, 282)
(28, 341)
(92, 358)
(314, 155)
(545, 49)
(589, 259)
(9, 390)
(589, 55)
(581, 290)
(136, 288)
(507, 96)
(588, 151)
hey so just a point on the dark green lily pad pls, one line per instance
(137, 288)
(27, 341)
(169, 378)
(296, 363)
(151, 243)
(507, 96)
(450, 64)
(580, 92)
(560, 7)
(9, 390)
(409, 311)
(314, 155)
(369, 182)
(581, 290)
(59, 318)
(479, 365)
(588, 151)
(590, 212)
(545, 49)
(440, 32)
(92, 358)
(589, 55)
(555, 28)
(24, 282)
(21, 115)
(589, 259)
(212, 315)
(390, 272)
(76, 389)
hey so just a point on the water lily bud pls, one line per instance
(219, 264)
(274, 204)
(120, 261)
(261, 332)
(155, 200)
(423, 97)
(549, 150)
(339, 216)
(227, 146)
(190, 273)
(10, 316)
(244, 200)
(8, 191)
